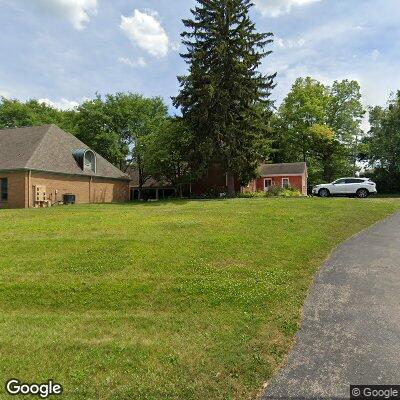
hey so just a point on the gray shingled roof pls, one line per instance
(283, 169)
(150, 183)
(50, 149)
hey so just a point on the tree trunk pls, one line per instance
(231, 184)
(355, 153)
(141, 180)
(328, 173)
(179, 180)
(140, 194)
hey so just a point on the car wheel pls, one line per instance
(323, 193)
(362, 193)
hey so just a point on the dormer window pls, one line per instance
(86, 159)
(89, 162)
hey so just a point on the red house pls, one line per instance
(282, 175)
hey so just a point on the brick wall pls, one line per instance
(58, 185)
(105, 191)
(214, 180)
(86, 189)
(17, 184)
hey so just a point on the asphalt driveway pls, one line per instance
(350, 331)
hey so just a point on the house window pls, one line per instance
(285, 183)
(89, 161)
(267, 183)
(4, 189)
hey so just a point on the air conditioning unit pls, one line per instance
(69, 199)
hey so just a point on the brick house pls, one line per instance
(214, 181)
(43, 166)
(152, 188)
(282, 175)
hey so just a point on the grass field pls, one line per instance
(176, 300)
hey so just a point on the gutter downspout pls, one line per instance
(29, 188)
(90, 190)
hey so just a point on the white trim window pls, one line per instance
(267, 184)
(285, 183)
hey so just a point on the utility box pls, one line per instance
(40, 194)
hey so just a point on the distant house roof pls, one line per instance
(48, 148)
(150, 183)
(283, 169)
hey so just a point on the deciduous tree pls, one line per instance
(345, 114)
(170, 154)
(382, 145)
(321, 125)
(118, 127)
(15, 113)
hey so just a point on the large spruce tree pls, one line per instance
(224, 98)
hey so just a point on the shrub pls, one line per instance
(276, 191)
(251, 195)
(213, 192)
(290, 192)
(273, 191)
(386, 182)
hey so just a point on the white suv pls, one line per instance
(360, 187)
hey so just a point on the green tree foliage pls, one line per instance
(304, 107)
(14, 114)
(345, 115)
(320, 125)
(384, 136)
(224, 99)
(170, 154)
(118, 127)
(382, 145)
(92, 124)
(328, 153)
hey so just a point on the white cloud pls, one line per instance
(139, 63)
(145, 30)
(290, 43)
(63, 104)
(275, 8)
(316, 51)
(375, 54)
(379, 82)
(77, 12)
(175, 46)
(3, 93)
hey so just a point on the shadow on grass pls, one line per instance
(157, 203)
(387, 196)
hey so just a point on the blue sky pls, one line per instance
(64, 51)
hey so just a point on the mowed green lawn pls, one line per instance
(177, 300)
